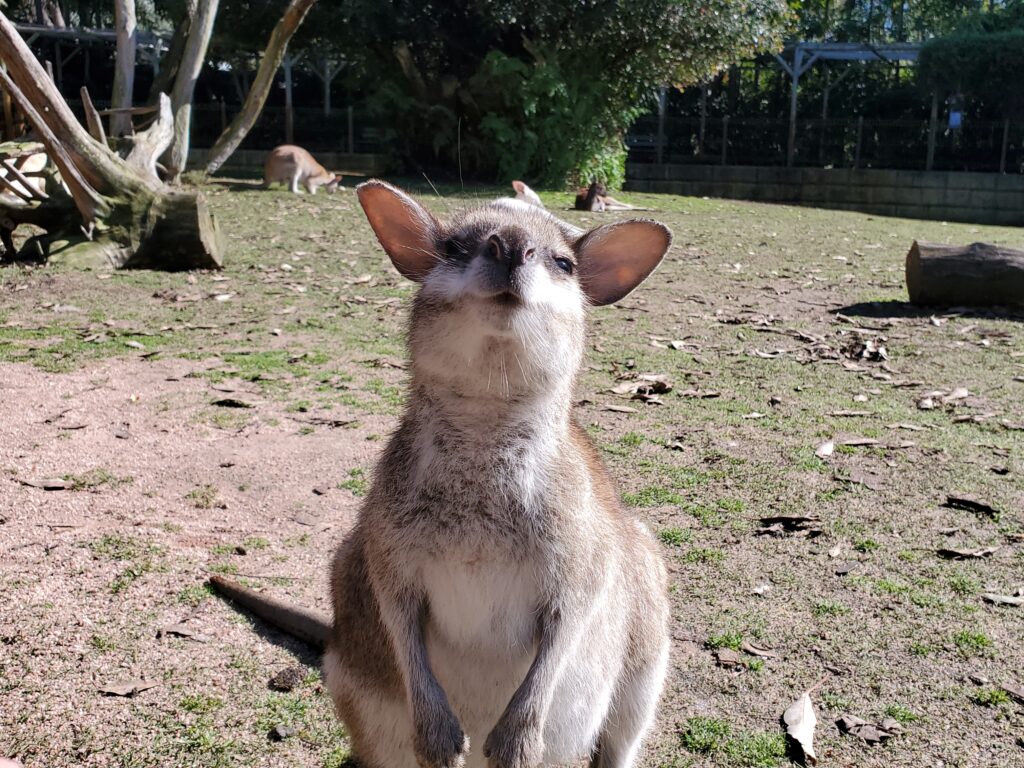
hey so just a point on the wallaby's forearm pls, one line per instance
(307, 625)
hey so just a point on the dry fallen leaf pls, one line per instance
(966, 554)
(825, 450)
(1017, 691)
(991, 597)
(48, 484)
(127, 687)
(800, 722)
(856, 442)
(971, 505)
(872, 733)
(620, 409)
(756, 650)
(727, 658)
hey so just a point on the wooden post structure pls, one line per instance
(933, 127)
(795, 71)
(289, 117)
(1006, 142)
(662, 98)
(725, 138)
(703, 118)
(860, 138)
(327, 71)
(351, 132)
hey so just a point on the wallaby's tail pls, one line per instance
(307, 625)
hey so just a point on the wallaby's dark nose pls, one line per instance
(513, 250)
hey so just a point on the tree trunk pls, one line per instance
(164, 81)
(969, 275)
(130, 218)
(124, 74)
(185, 84)
(273, 55)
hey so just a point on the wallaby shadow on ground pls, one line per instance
(904, 309)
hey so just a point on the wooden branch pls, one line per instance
(13, 188)
(92, 117)
(150, 144)
(13, 169)
(87, 200)
(95, 163)
(131, 110)
(273, 55)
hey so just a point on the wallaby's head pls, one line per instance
(334, 183)
(505, 287)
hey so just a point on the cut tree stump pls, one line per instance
(105, 210)
(979, 275)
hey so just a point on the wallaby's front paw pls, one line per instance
(441, 743)
(514, 747)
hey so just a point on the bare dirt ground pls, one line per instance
(229, 423)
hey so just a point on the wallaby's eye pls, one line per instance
(564, 264)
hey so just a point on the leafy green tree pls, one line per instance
(543, 90)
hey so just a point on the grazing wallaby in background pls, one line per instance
(293, 166)
(494, 605)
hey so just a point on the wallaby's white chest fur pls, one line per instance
(482, 606)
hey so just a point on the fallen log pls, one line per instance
(979, 274)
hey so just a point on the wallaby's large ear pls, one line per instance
(616, 258)
(405, 228)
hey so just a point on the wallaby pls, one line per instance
(494, 605)
(292, 165)
(596, 198)
(526, 194)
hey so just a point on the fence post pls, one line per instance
(223, 115)
(933, 126)
(351, 132)
(703, 119)
(289, 117)
(1006, 141)
(725, 137)
(860, 137)
(662, 96)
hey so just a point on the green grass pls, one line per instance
(200, 704)
(829, 608)
(652, 496)
(203, 497)
(990, 697)
(195, 594)
(715, 738)
(901, 714)
(703, 555)
(674, 537)
(357, 483)
(94, 479)
(971, 643)
(732, 640)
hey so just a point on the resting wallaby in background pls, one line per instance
(293, 166)
(494, 605)
(596, 198)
